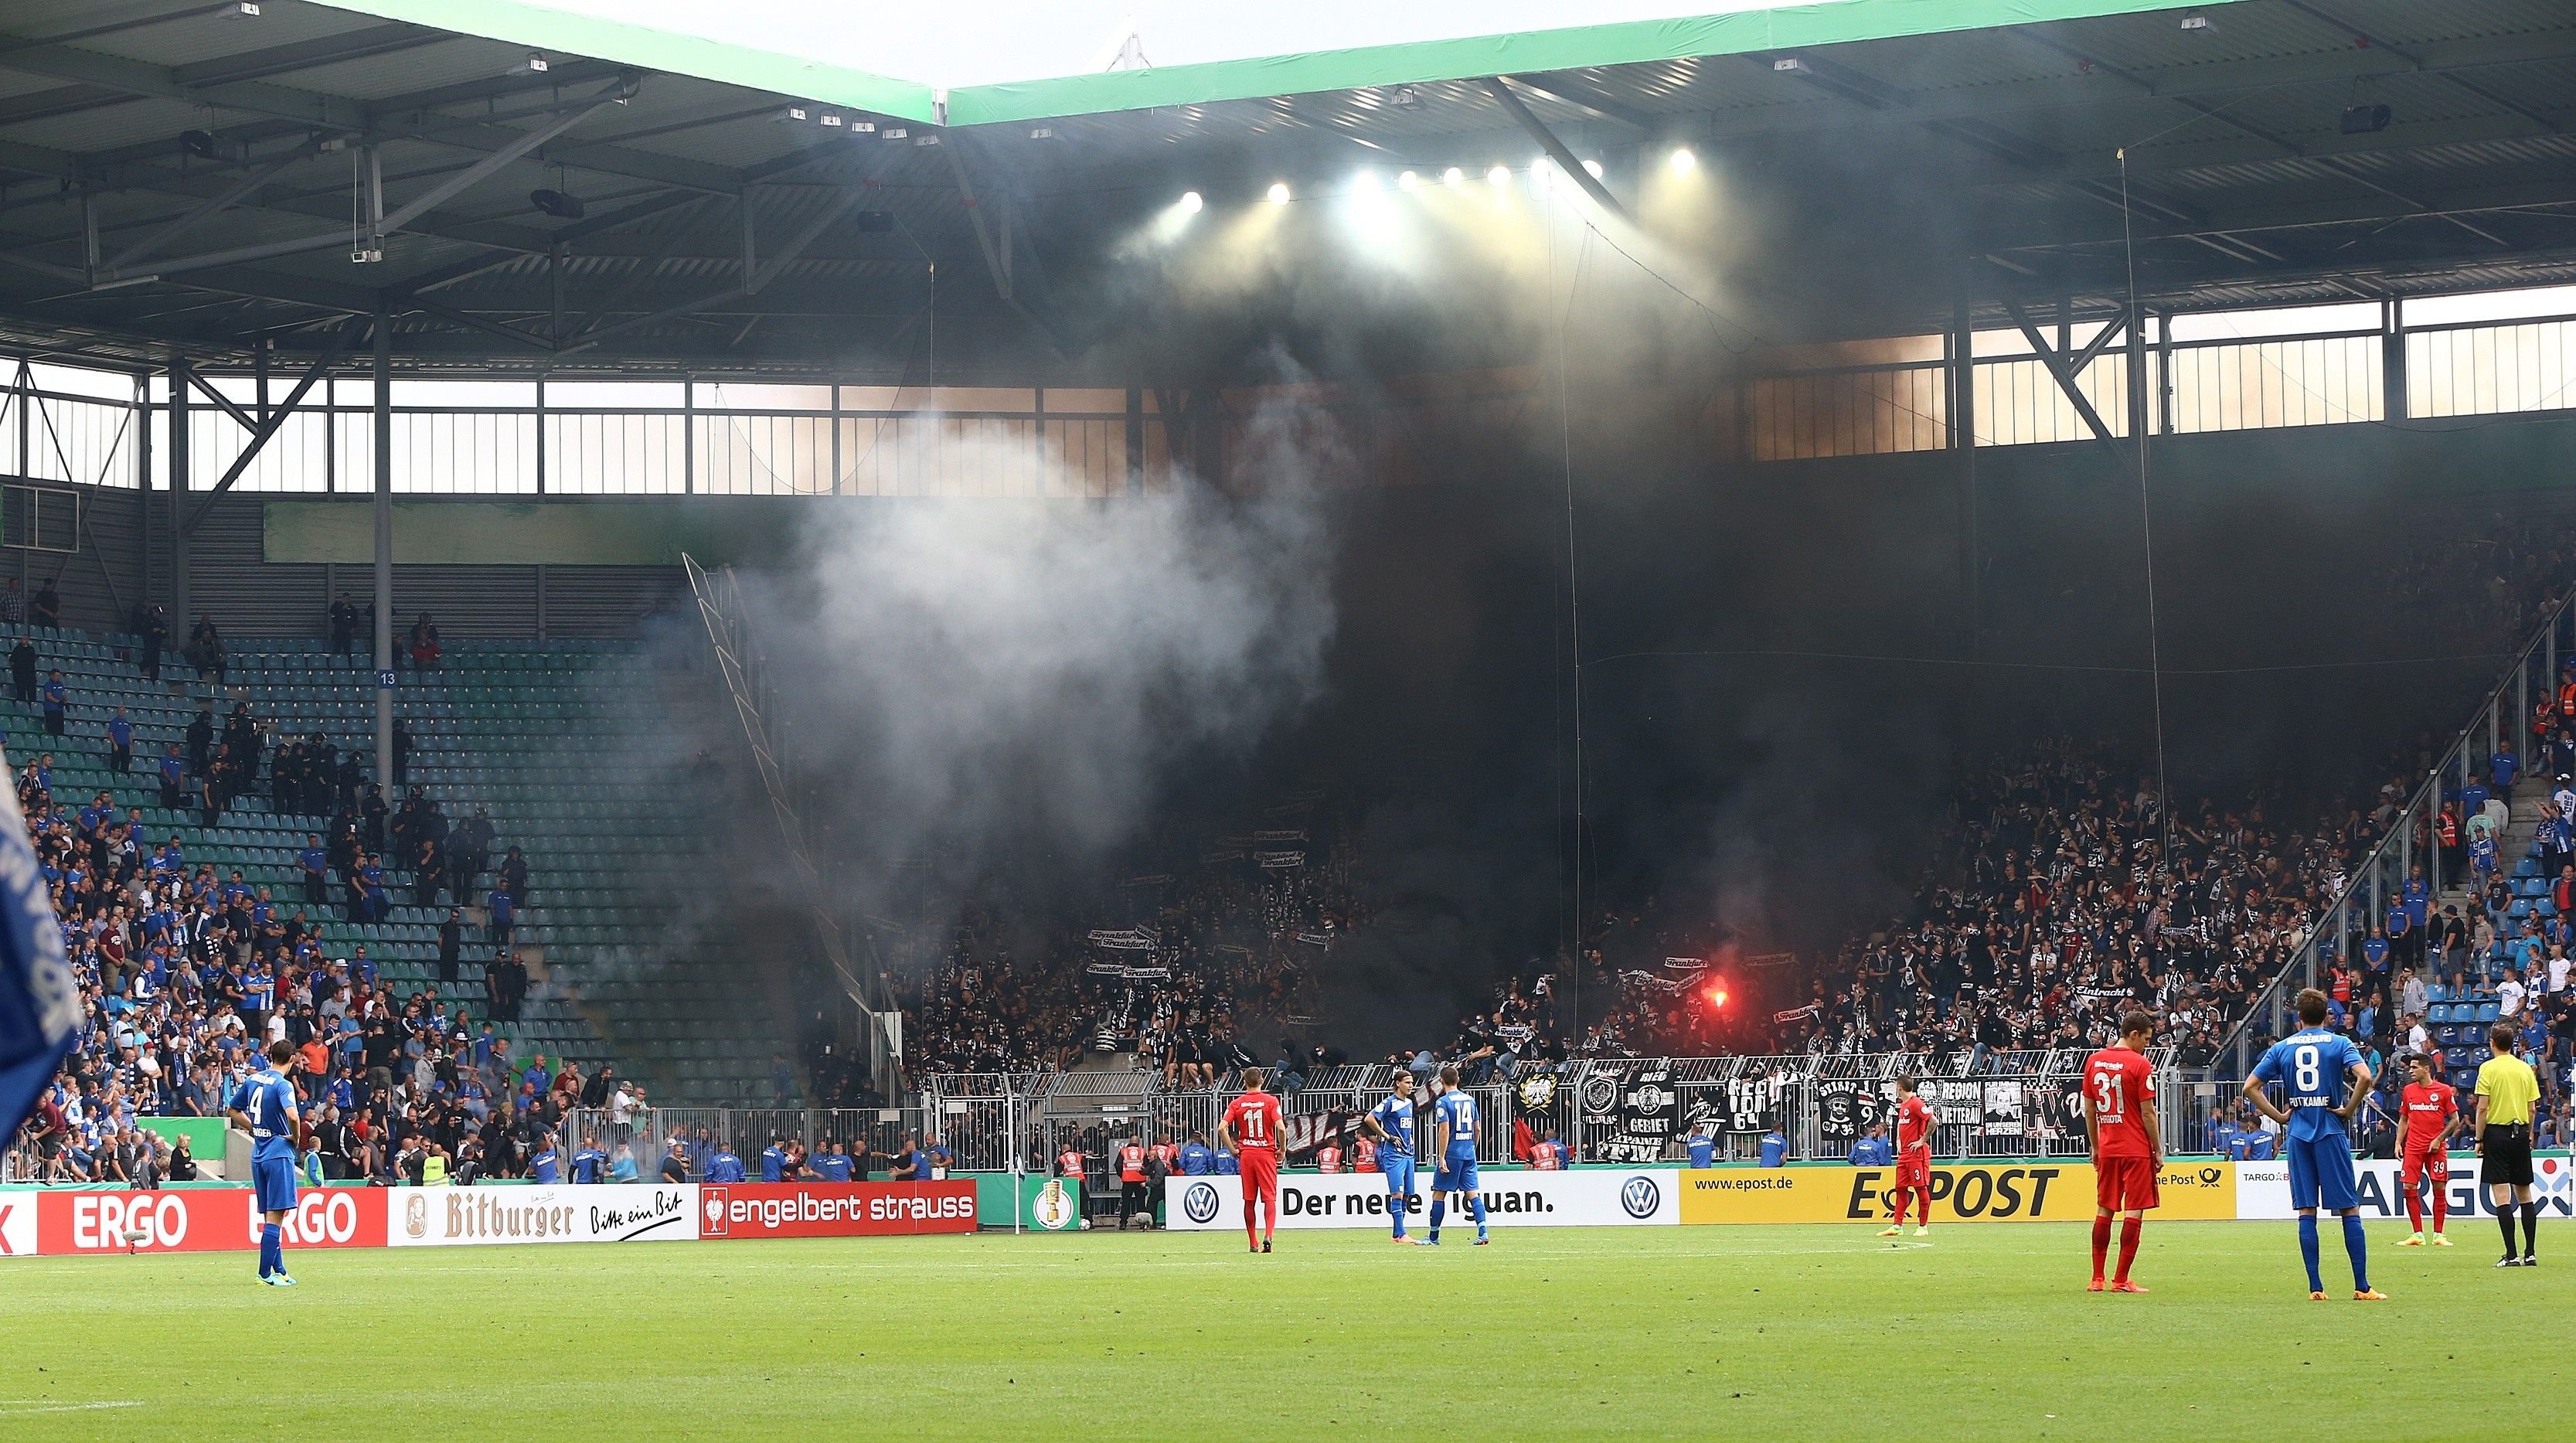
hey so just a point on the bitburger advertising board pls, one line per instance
(547, 1213)
(1588, 1197)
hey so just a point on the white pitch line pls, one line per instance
(41, 1405)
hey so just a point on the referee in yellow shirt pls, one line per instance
(2507, 1089)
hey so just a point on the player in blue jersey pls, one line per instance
(2326, 1080)
(263, 1105)
(1391, 1123)
(1453, 1117)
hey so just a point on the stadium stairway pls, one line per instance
(547, 737)
(2459, 1024)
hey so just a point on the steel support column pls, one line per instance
(384, 546)
(179, 383)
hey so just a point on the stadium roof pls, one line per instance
(179, 174)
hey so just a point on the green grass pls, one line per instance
(1792, 1331)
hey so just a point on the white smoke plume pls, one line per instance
(981, 675)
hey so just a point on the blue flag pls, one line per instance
(39, 1002)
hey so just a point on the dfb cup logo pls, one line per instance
(1640, 1197)
(416, 1216)
(1053, 1206)
(1200, 1202)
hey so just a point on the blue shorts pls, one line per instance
(2321, 1173)
(1456, 1174)
(273, 1178)
(1399, 1174)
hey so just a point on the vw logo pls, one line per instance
(1200, 1203)
(1640, 1197)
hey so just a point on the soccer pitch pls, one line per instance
(1815, 1331)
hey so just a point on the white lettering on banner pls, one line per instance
(318, 1218)
(144, 1219)
(1591, 1197)
(2263, 1188)
(545, 1213)
(18, 1226)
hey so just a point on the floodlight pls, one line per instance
(1190, 202)
(1682, 161)
(1453, 177)
(1408, 181)
(1279, 192)
(1499, 176)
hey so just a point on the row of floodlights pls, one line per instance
(1679, 160)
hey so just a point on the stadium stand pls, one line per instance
(514, 736)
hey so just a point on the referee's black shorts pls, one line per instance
(2504, 1155)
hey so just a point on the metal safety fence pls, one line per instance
(1795, 1108)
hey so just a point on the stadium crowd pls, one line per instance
(186, 975)
(1228, 943)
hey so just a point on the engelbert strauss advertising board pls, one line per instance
(1591, 1197)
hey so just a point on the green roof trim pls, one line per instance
(1787, 27)
(561, 32)
(1833, 22)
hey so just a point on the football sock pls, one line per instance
(2415, 1209)
(2308, 1250)
(2130, 1228)
(1395, 1210)
(2530, 1226)
(2356, 1246)
(1439, 1210)
(1251, 1226)
(1476, 1210)
(2101, 1243)
(272, 1250)
(1902, 1194)
(2441, 1204)
(2504, 1221)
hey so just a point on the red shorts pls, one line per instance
(1260, 1175)
(2423, 1157)
(2124, 1184)
(1914, 1170)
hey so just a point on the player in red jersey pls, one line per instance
(1251, 1130)
(2128, 1142)
(2432, 1116)
(1913, 1159)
